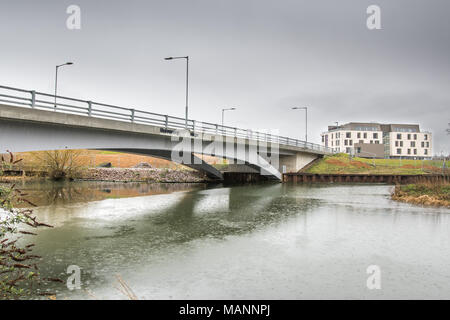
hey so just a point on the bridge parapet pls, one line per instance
(167, 124)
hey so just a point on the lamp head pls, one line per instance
(168, 58)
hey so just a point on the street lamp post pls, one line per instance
(56, 77)
(223, 111)
(306, 120)
(187, 84)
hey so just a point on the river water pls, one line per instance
(265, 241)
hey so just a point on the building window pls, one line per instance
(365, 135)
(399, 136)
(371, 141)
(415, 136)
(409, 136)
(428, 144)
(345, 142)
(351, 142)
(425, 137)
(323, 138)
(361, 141)
(399, 151)
(413, 144)
(377, 142)
(358, 135)
(422, 144)
(401, 143)
(396, 143)
(375, 135)
(347, 150)
(348, 134)
(409, 151)
(358, 150)
(415, 151)
(425, 151)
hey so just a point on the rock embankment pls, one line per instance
(142, 175)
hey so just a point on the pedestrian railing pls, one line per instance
(168, 124)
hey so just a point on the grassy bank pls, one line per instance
(343, 164)
(424, 194)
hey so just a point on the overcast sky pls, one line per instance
(262, 57)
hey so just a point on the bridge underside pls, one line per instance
(28, 136)
(23, 130)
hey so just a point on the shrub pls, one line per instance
(17, 263)
(59, 164)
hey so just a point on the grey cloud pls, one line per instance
(261, 56)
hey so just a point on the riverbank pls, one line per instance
(343, 164)
(425, 194)
(302, 177)
(142, 175)
(149, 175)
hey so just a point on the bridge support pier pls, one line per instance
(294, 163)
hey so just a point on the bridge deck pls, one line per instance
(93, 114)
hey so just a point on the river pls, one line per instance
(263, 241)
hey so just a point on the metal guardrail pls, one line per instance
(39, 100)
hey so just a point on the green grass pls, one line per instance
(342, 164)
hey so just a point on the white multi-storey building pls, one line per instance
(379, 140)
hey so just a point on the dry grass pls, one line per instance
(425, 194)
(125, 288)
(93, 158)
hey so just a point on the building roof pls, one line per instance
(403, 128)
(372, 126)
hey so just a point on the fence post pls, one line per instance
(132, 115)
(235, 132)
(89, 108)
(33, 98)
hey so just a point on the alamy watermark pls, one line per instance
(373, 21)
(73, 21)
(74, 280)
(256, 148)
(374, 280)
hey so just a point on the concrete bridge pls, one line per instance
(34, 121)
